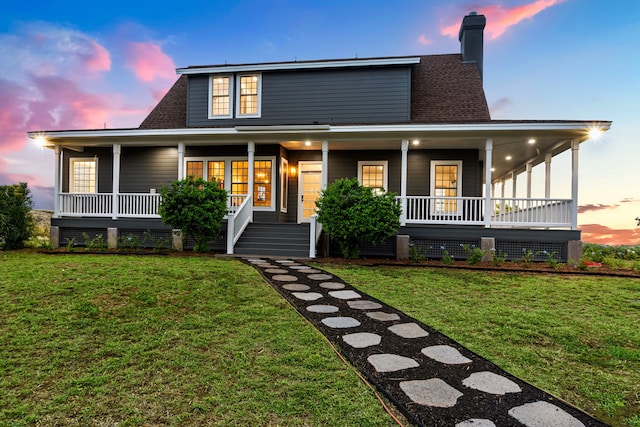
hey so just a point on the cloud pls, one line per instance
(500, 18)
(423, 40)
(500, 104)
(149, 62)
(601, 234)
(595, 208)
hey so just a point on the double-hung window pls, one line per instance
(373, 174)
(83, 175)
(446, 187)
(235, 96)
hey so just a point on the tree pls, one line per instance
(352, 214)
(638, 219)
(16, 222)
(195, 206)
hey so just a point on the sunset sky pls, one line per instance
(91, 65)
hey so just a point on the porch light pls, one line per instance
(40, 141)
(531, 141)
(416, 142)
(595, 133)
(508, 158)
(307, 143)
(292, 171)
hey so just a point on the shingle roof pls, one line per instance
(443, 89)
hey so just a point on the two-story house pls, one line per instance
(275, 134)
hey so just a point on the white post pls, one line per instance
(312, 235)
(57, 189)
(514, 181)
(574, 183)
(547, 175)
(116, 179)
(403, 182)
(502, 182)
(251, 150)
(230, 232)
(325, 165)
(529, 167)
(181, 160)
(488, 208)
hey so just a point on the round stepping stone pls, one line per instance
(541, 414)
(300, 267)
(408, 330)
(431, 392)
(296, 287)
(307, 296)
(341, 322)
(382, 316)
(276, 271)
(310, 271)
(332, 285)
(445, 354)
(284, 278)
(322, 308)
(476, 422)
(319, 276)
(391, 362)
(362, 339)
(285, 261)
(256, 260)
(345, 294)
(364, 305)
(491, 383)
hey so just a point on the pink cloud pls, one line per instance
(500, 18)
(148, 62)
(423, 40)
(99, 59)
(601, 234)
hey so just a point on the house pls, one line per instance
(275, 134)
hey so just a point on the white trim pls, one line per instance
(284, 185)
(72, 160)
(385, 175)
(299, 65)
(231, 93)
(432, 186)
(227, 173)
(258, 100)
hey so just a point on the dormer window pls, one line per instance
(244, 101)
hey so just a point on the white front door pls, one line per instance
(309, 187)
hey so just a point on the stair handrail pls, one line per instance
(315, 230)
(237, 222)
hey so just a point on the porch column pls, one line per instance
(502, 182)
(57, 189)
(529, 167)
(514, 181)
(488, 208)
(547, 175)
(574, 183)
(180, 160)
(325, 165)
(403, 182)
(251, 150)
(116, 179)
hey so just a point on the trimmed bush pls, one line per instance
(196, 207)
(16, 222)
(352, 214)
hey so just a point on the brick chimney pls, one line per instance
(471, 38)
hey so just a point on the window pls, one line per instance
(215, 171)
(83, 176)
(262, 183)
(240, 177)
(446, 185)
(373, 174)
(248, 90)
(284, 184)
(221, 90)
(194, 169)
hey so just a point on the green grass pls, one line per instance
(576, 337)
(152, 340)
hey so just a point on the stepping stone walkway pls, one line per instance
(433, 380)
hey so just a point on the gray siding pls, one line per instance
(348, 96)
(105, 166)
(144, 168)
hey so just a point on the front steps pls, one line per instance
(274, 239)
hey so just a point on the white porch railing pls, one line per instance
(315, 230)
(506, 212)
(237, 222)
(85, 204)
(138, 205)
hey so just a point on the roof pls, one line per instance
(444, 89)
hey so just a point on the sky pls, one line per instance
(70, 66)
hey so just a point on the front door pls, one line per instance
(309, 186)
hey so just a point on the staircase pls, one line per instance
(279, 239)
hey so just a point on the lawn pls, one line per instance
(94, 340)
(577, 337)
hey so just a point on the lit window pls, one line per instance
(373, 174)
(215, 171)
(262, 183)
(446, 186)
(84, 176)
(221, 90)
(194, 169)
(248, 95)
(239, 177)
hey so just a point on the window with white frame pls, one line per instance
(373, 174)
(446, 187)
(232, 174)
(284, 184)
(83, 175)
(244, 91)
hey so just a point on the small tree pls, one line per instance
(16, 222)
(352, 214)
(195, 206)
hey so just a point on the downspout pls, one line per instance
(488, 207)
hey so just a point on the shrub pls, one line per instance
(195, 206)
(353, 214)
(474, 253)
(16, 222)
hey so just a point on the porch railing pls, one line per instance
(315, 230)
(138, 205)
(505, 212)
(237, 221)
